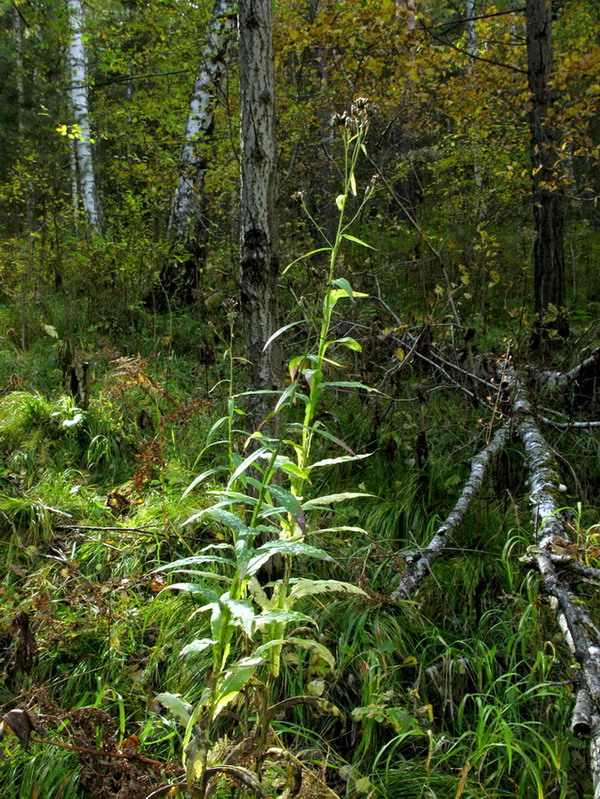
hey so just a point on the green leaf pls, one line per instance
(181, 709)
(246, 463)
(219, 423)
(344, 284)
(281, 330)
(341, 459)
(357, 241)
(350, 384)
(329, 498)
(192, 561)
(290, 503)
(304, 587)
(242, 613)
(257, 593)
(192, 588)
(353, 184)
(227, 519)
(320, 431)
(235, 679)
(315, 646)
(265, 552)
(196, 647)
(306, 255)
(285, 395)
(281, 617)
(348, 342)
(220, 578)
(197, 480)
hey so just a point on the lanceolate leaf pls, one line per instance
(196, 647)
(264, 553)
(281, 330)
(197, 480)
(235, 679)
(350, 384)
(242, 613)
(349, 342)
(281, 617)
(357, 241)
(193, 560)
(178, 706)
(318, 502)
(304, 587)
(341, 459)
(316, 647)
(192, 588)
(290, 503)
(245, 464)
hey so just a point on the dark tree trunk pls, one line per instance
(259, 256)
(548, 196)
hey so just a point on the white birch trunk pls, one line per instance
(471, 36)
(187, 204)
(259, 256)
(76, 58)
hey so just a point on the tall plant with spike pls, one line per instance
(246, 619)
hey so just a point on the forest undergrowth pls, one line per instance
(188, 605)
(465, 690)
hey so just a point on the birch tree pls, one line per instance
(77, 64)
(187, 219)
(259, 256)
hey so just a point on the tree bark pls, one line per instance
(552, 539)
(187, 219)
(259, 251)
(77, 63)
(548, 196)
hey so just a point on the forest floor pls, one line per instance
(462, 688)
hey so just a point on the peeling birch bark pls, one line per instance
(187, 223)
(421, 567)
(77, 63)
(581, 719)
(595, 755)
(551, 533)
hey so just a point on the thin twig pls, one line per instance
(84, 750)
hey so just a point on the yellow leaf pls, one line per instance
(50, 331)
(399, 353)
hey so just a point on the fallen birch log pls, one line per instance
(551, 534)
(420, 561)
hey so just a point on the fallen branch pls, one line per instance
(420, 566)
(570, 425)
(84, 750)
(556, 380)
